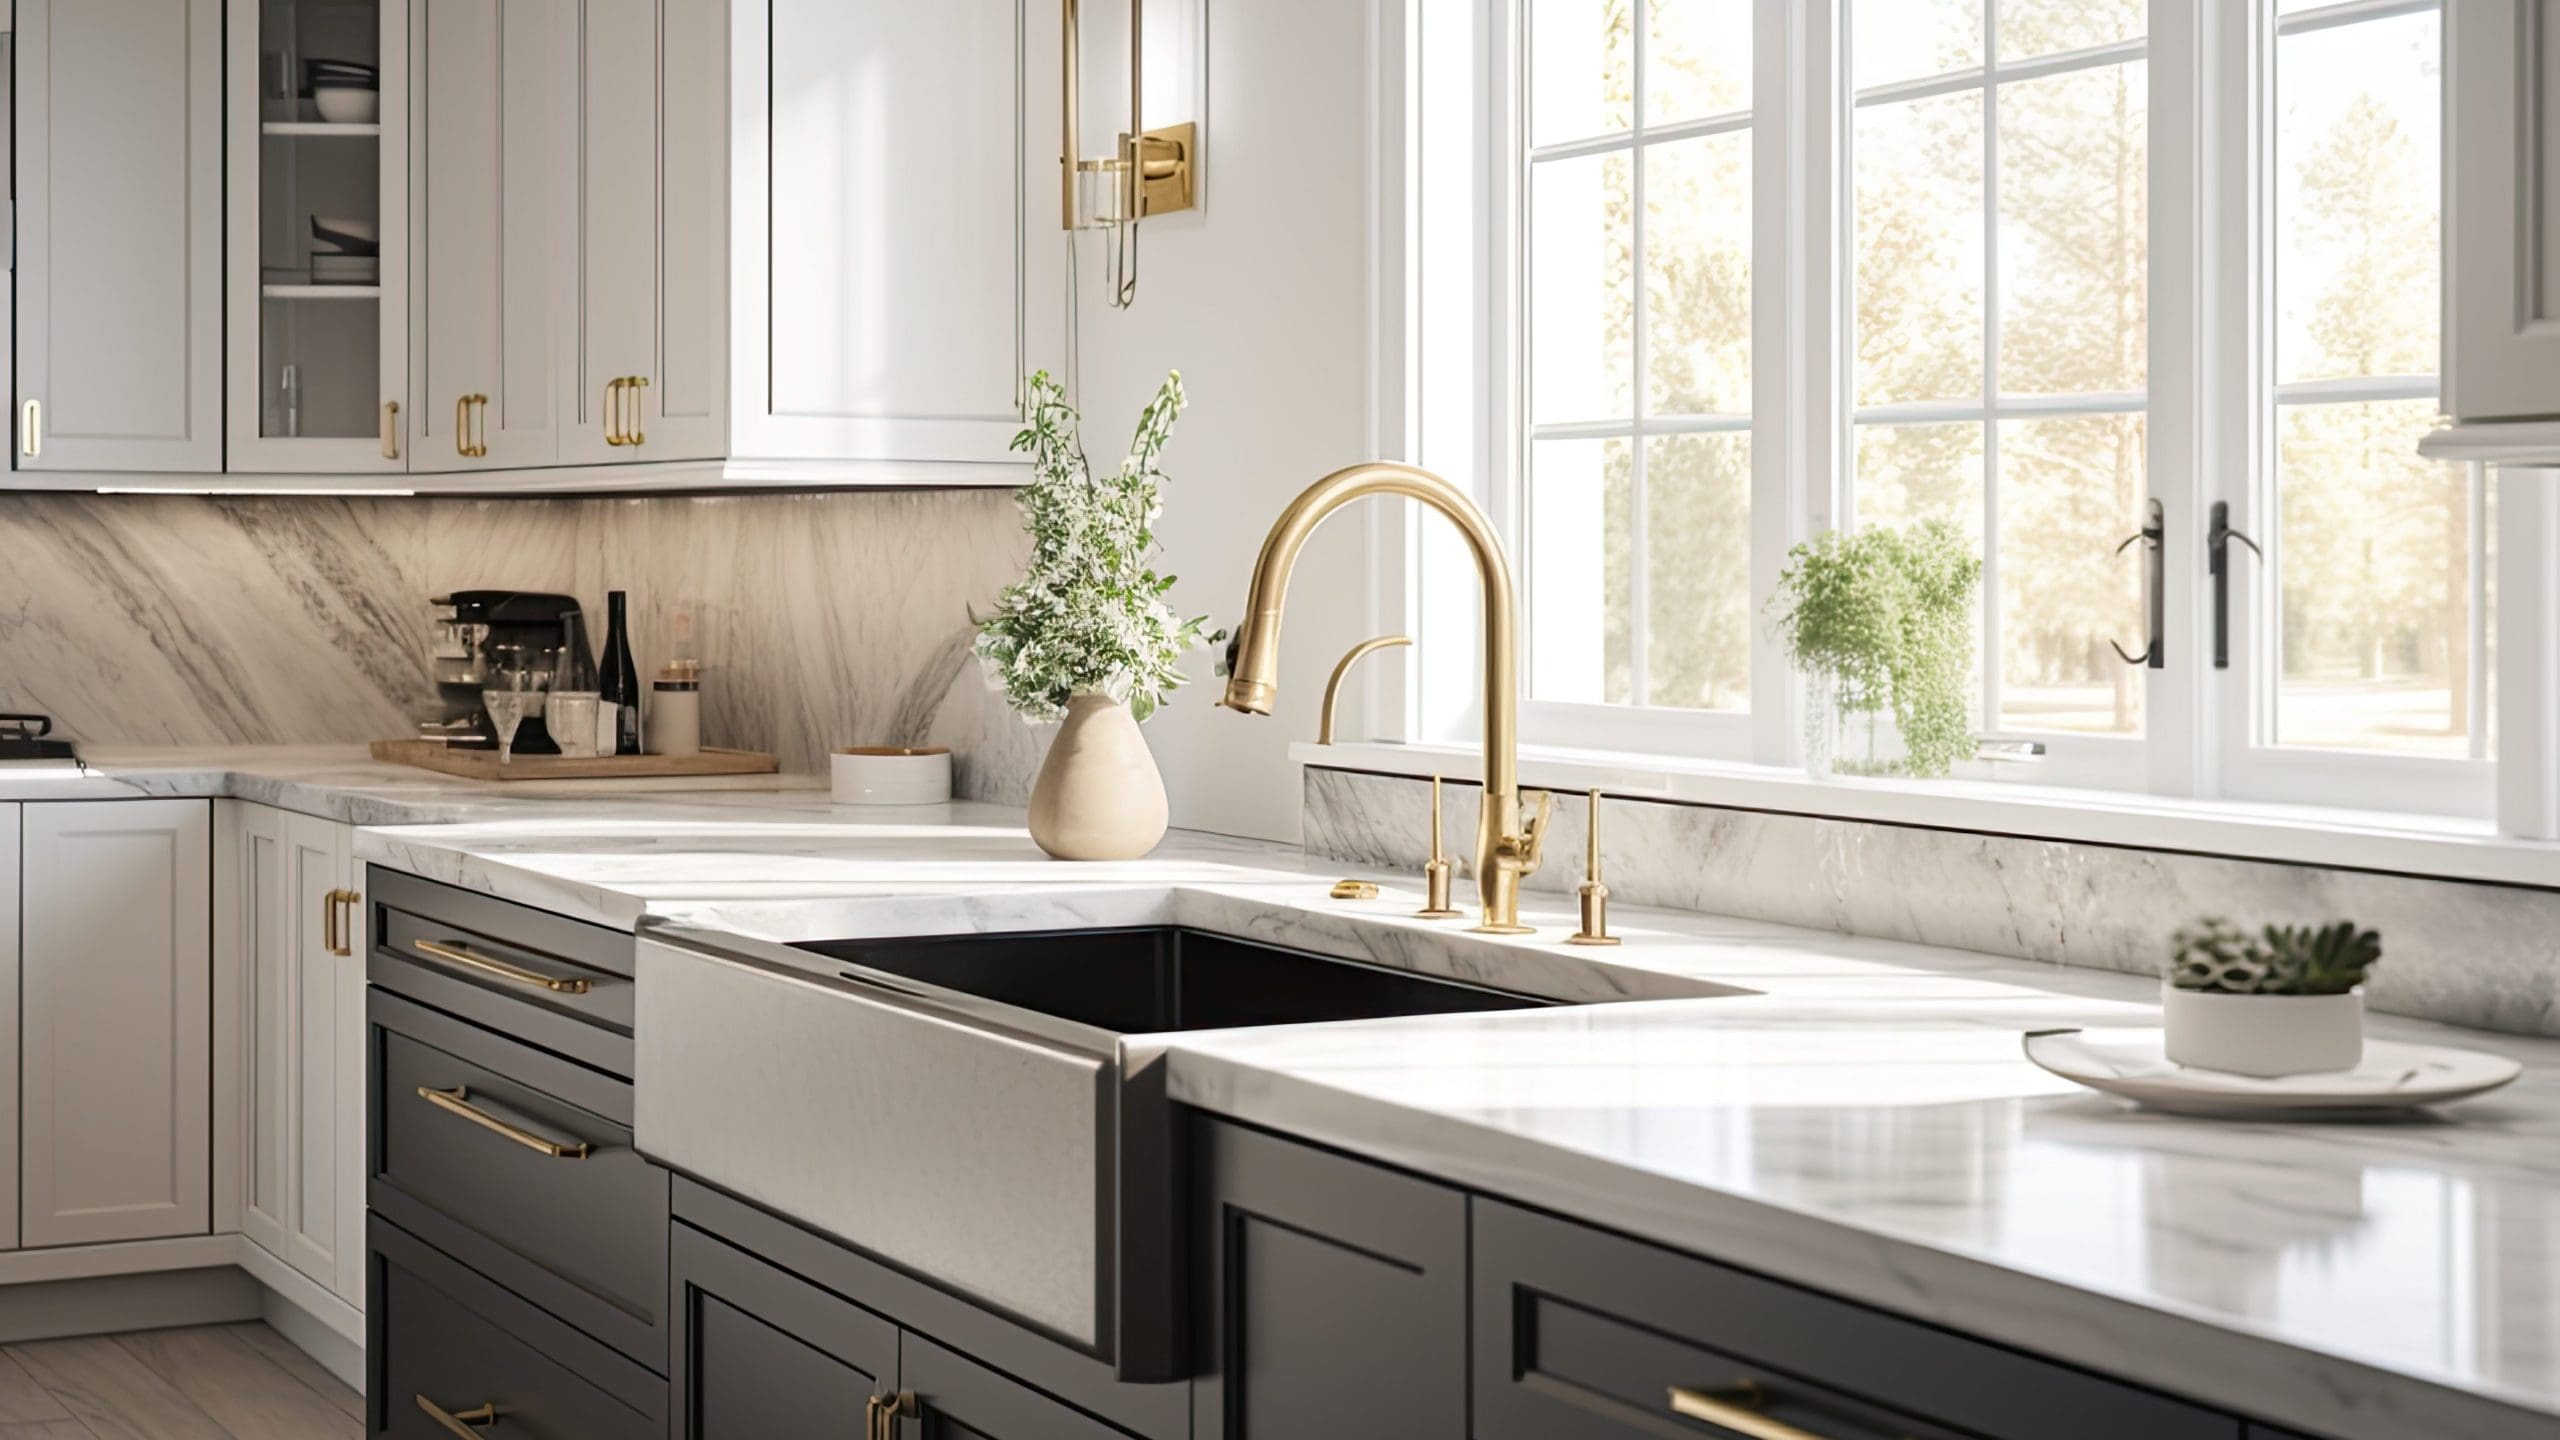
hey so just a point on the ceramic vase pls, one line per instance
(1099, 796)
(2268, 1036)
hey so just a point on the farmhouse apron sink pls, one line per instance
(972, 1108)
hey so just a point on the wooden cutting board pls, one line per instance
(483, 764)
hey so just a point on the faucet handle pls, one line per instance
(1533, 833)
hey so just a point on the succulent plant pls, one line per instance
(2216, 956)
(2322, 960)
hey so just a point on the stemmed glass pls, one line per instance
(509, 698)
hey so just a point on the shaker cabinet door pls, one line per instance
(899, 261)
(488, 209)
(1332, 1294)
(2502, 210)
(119, 235)
(117, 997)
(644, 374)
(305, 1061)
(762, 1354)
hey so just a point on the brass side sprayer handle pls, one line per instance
(1342, 669)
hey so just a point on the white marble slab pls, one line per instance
(2470, 954)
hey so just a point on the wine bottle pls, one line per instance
(618, 681)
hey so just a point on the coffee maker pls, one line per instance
(468, 631)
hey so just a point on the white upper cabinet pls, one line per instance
(319, 235)
(489, 208)
(119, 201)
(898, 261)
(2502, 210)
(116, 995)
(647, 373)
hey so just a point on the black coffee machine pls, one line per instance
(469, 630)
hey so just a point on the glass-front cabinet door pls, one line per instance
(318, 236)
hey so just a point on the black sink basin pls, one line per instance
(1146, 981)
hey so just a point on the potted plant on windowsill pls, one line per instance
(1086, 637)
(1879, 621)
(2286, 1001)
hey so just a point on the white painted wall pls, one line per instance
(1261, 300)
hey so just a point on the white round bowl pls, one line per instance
(2263, 1035)
(345, 105)
(891, 774)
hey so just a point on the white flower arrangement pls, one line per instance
(1089, 615)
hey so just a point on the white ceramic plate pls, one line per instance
(2133, 1064)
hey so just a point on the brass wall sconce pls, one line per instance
(1148, 173)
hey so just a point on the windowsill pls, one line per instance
(2296, 834)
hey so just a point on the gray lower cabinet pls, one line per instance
(762, 1305)
(762, 1354)
(1330, 1295)
(452, 1352)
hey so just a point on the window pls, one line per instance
(1639, 326)
(1710, 276)
(2000, 180)
(2374, 596)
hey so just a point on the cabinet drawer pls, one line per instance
(1584, 1335)
(541, 978)
(445, 1337)
(762, 1354)
(520, 1164)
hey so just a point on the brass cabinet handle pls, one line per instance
(490, 965)
(335, 932)
(457, 1101)
(880, 1414)
(469, 1424)
(470, 439)
(31, 428)
(632, 385)
(1736, 1409)
(613, 412)
(390, 429)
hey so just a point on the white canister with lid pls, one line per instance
(675, 709)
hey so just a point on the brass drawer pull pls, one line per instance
(1735, 1408)
(469, 1424)
(31, 429)
(453, 951)
(390, 429)
(457, 1101)
(880, 1414)
(335, 932)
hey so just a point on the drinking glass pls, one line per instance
(514, 692)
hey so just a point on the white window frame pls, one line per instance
(2209, 405)
(2113, 762)
(2248, 764)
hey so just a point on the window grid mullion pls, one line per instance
(1639, 686)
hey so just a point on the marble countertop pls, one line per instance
(1851, 1114)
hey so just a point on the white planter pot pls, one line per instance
(2263, 1035)
(1099, 795)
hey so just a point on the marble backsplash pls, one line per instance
(821, 619)
(2470, 954)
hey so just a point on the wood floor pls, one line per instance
(216, 1382)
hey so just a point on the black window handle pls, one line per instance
(2155, 529)
(2217, 558)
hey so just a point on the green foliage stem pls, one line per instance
(1886, 616)
(1089, 614)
